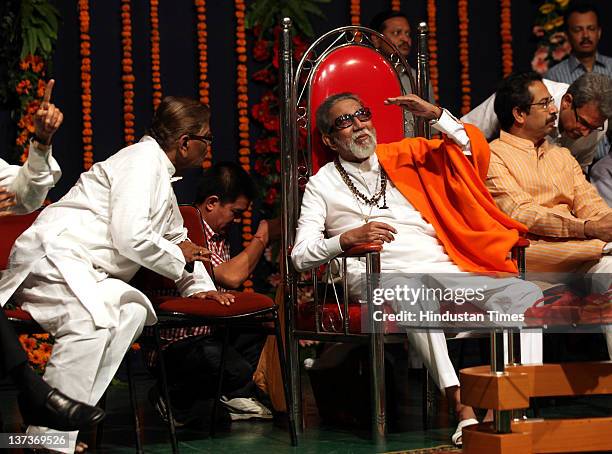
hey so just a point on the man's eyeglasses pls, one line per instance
(346, 120)
(207, 139)
(585, 123)
(544, 104)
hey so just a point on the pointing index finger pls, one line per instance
(48, 91)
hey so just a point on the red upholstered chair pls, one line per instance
(248, 310)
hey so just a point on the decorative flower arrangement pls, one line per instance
(203, 85)
(434, 75)
(242, 85)
(355, 12)
(29, 30)
(464, 56)
(395, 5)
(127, 73)
(155, 54)
(38, 348)
(506, 36)
(87, 132)
(553, 45)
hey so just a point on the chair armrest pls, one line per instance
(361, 249)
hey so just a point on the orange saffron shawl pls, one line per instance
(447, 187)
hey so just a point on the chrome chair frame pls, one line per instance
(295, 107)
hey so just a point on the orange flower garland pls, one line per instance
(128, 73)
(506, 37)
(244, 149)
(203, 85)
(395, 5)
(155, 59)
(87, 133)
(464, 56)
(355, 12)
(29, 90)
(433, 47)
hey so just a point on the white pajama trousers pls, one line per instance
(507, 295)
(84, 357)
(601, 285)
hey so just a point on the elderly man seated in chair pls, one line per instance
(426, 203)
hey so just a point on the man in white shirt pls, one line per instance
(584, 108)
(411, 244)
(70, 269)
(24, 188)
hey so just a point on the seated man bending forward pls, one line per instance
(426, 202)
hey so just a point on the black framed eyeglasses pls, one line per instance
(207, 139)
(346, 120)
(544, 104)
(585, 123)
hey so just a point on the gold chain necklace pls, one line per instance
(370, 201)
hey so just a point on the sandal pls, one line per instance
(457, 437)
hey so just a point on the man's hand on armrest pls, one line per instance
(223, 298)
(600, 229)
(372, 232)
(7, 201)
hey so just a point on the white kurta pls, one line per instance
(120, 215)
(32, 181)
(583, 149)
(329, 207)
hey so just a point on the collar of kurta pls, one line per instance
(524, 144)
(447, 187)
(167, 163)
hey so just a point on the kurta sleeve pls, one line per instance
(311, 248)
(134, 193)
(32, 181)
(520, 205)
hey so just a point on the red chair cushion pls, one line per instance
(18, 314)
(365, 72)
(11, 227)
(332, 322)
(245, 303)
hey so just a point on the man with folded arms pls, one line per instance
(69, 270)
(425, 202)
(541, 185)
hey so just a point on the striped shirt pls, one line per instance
(571, 69)
(544, 188)
(220, 253)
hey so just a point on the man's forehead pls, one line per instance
(539, 90)
(345, 106)
(395, 22)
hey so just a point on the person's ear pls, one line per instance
(183, 144)
(211, 202)
(519, 115)
(329, 141)
(567, 101)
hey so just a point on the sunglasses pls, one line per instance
(346, 120)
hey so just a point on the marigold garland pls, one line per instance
(242, 83)
(155, 57)
(30, 90)
(127, 73)
(464, 56)
(87, 132)
(355, 12)
(434, 75)
(203, 85)
(506, 37)
(395, 5)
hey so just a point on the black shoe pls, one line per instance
(59, 412)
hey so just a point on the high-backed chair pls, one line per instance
(343, 60)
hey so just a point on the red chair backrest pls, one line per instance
(367, 73)
(10, 229)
